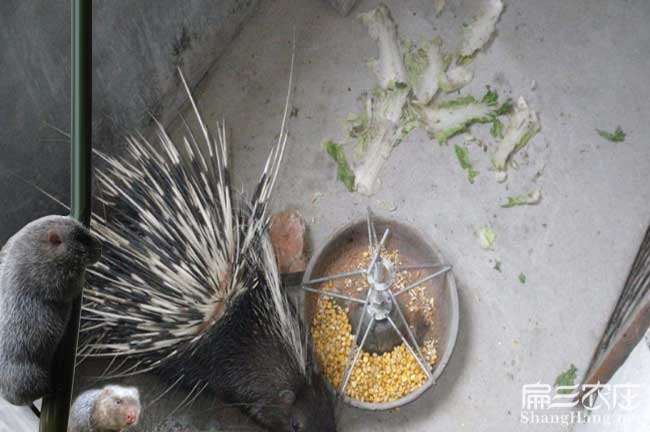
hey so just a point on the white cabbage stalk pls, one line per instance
(433, 75)
(523, 125)
(457, 76)
(479, 32)
(385, 136)
(389, 99)
(360, 127)
(447, 120)
(428, 72)
(389, 68)
(530, 198)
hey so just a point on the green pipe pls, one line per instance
(56, 406)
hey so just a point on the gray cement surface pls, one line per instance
(590, 62)
(16, 419)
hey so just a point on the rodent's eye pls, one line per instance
(118, 401)
(295, 425)
(54, 238)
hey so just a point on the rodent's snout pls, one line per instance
(91, 245)
(131, 418)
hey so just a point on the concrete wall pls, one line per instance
(137, 46)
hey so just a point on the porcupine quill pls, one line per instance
(188, 285)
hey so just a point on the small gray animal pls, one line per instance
(111, 409)
(41, 273)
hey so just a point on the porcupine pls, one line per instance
(112, 408)
(188, 284)
(41, 273)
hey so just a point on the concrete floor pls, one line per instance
(590, 62)
(16, 419)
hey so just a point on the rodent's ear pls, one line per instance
(54, 238)
(287, 397)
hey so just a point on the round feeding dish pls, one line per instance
(383, 312)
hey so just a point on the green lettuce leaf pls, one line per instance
(617, 136)
(486, 237)
(343, 172)
(463, 158)
(523, 125)
(566, 378)
(455, 116)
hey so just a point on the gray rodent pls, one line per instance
(112, 408)
(41, 273)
